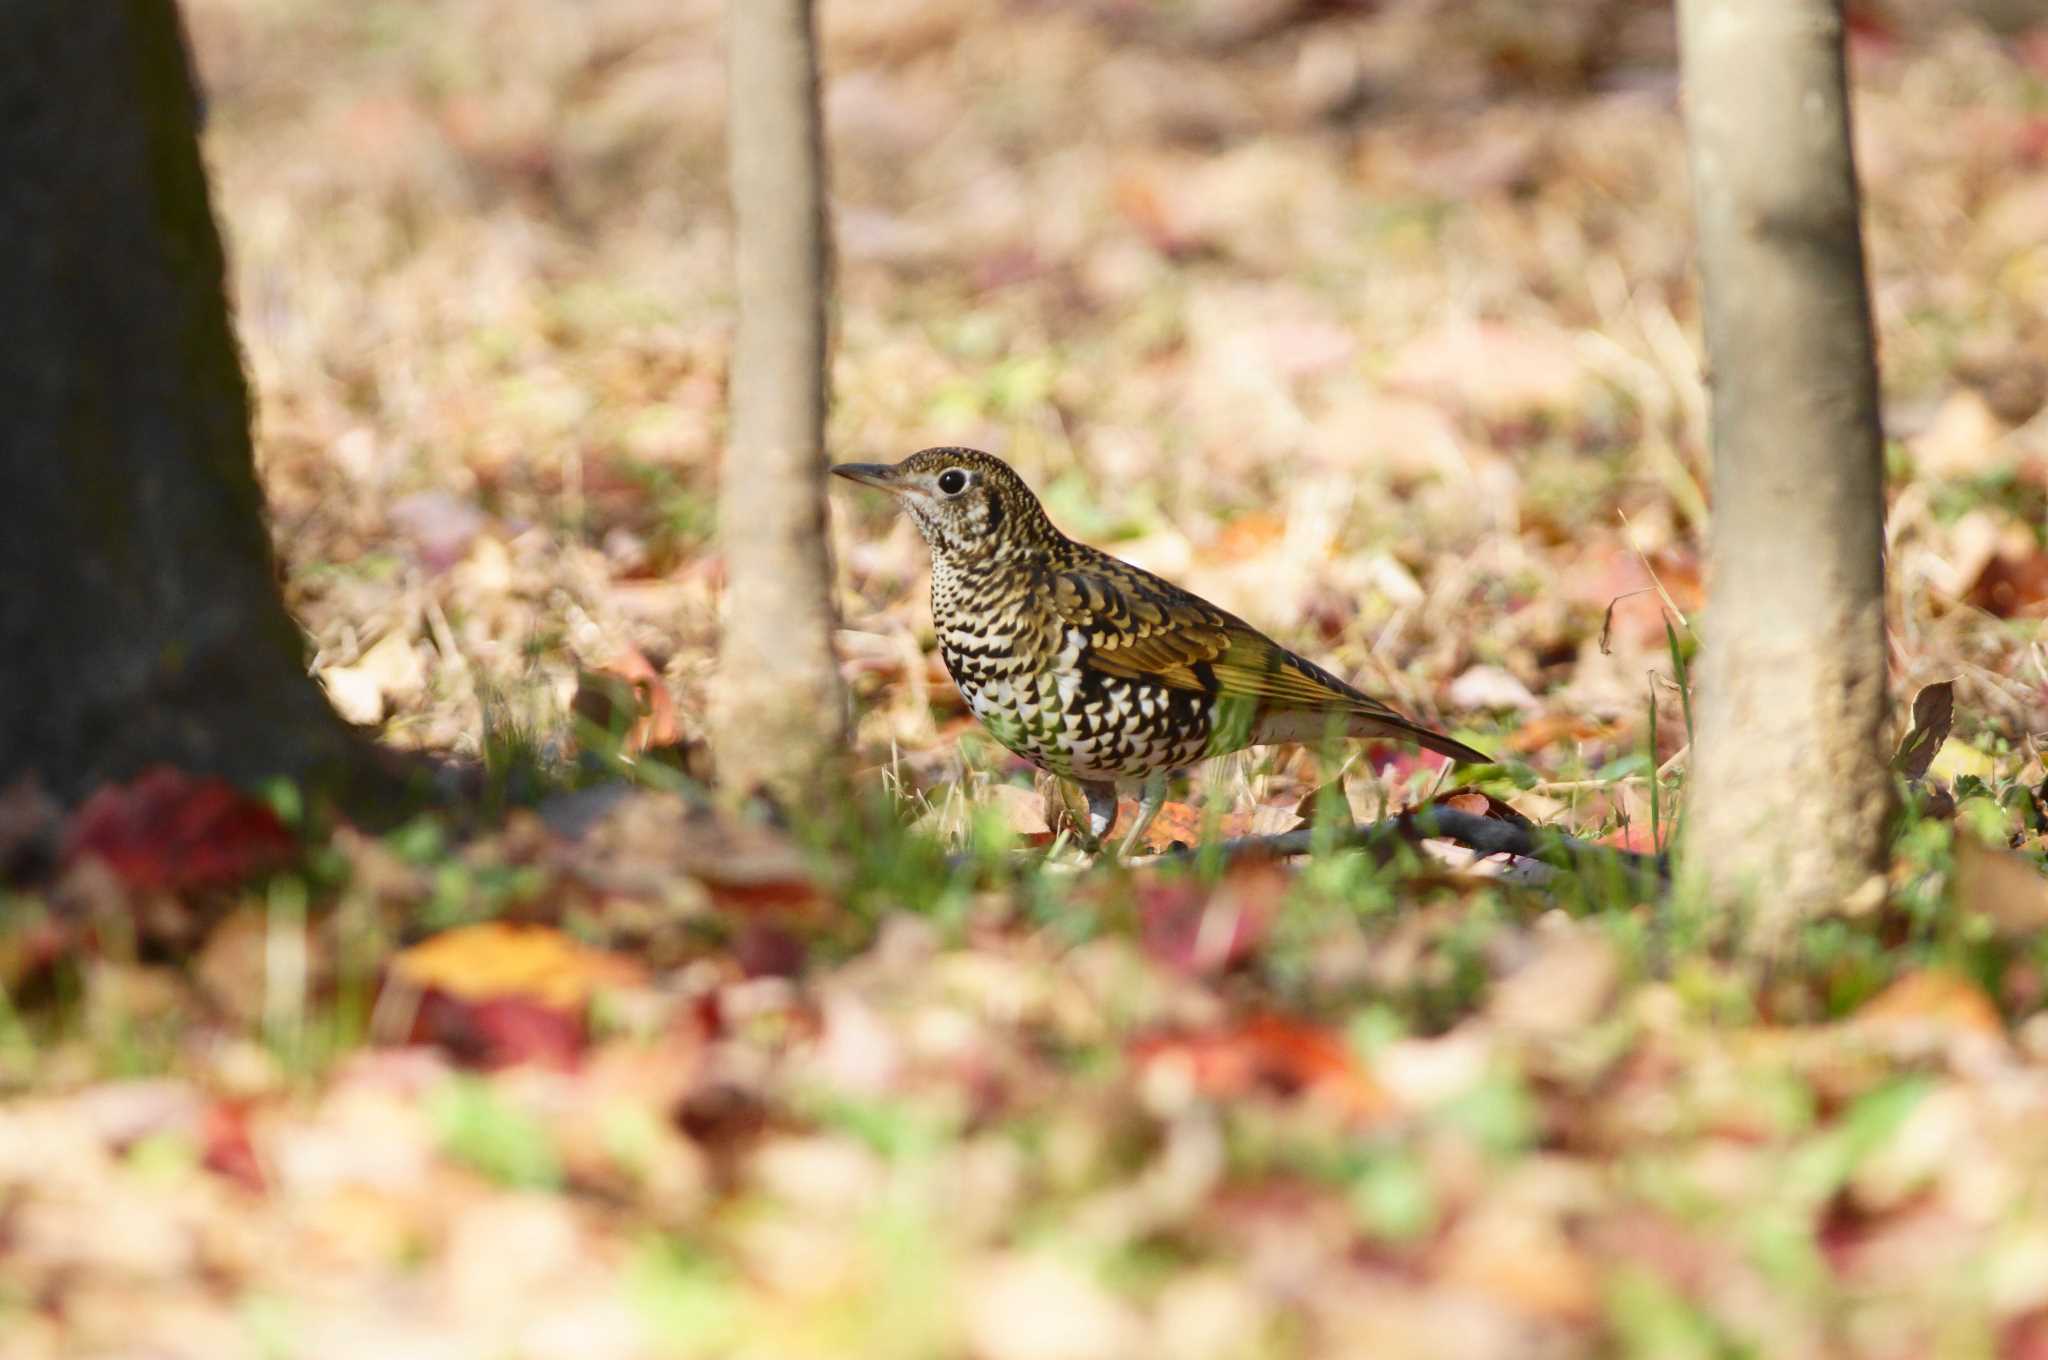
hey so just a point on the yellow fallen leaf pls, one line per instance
(1957, 757)
(499, 959)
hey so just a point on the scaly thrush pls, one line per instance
(1095, 669)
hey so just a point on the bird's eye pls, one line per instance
(952, 481)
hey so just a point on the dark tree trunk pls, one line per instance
(140, 620)
(1789, 790)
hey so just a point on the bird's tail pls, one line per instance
(1384, 722)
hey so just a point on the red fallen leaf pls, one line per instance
(2012, 586)
(2030, 140)
(1396, 763)
(1871, 32)
(1210, 929)
(789, 898)
(171, 830)
(1275, 1054)
(225, 1146)
(2026, 1336)
(502, 1031)
(497, 994)
(765, 950)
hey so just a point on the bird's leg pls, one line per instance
(1150, 800)
(1101, 809)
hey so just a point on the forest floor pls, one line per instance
(1376, 325)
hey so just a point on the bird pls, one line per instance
(1097, 670)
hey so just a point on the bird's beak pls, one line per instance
(878, 475)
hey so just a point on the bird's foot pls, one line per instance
(1101, 815)
(1150, 800)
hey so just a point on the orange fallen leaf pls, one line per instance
(226, 1148)
(497, 994)
(627, 699)
(1479, 803)
(500, 959)
(1245, 536)
(1634, 837)
(1180, 824)
(1271, 1053)
(1938, 998)
(1558, 729)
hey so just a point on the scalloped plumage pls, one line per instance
(1097, 670)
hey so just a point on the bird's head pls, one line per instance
(966, 503)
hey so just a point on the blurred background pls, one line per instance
(1372, 322)
(1375, 323)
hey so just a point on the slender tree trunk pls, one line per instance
(139, 615)
(1789, 791)
(780, 715)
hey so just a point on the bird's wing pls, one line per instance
(1141, 627)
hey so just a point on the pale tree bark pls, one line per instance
(140, 620)
(1788, 793)
(779, 714)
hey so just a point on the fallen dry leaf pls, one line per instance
(1569, 984)
(1934, 999)
(1273, 1054)
(1489, 687)
(226, 1148)
(2007, 888)
(1523, 1260)
(1208, 928)
(1023, 811)
(1497, 370)
(2012, 587)
(173, 831)
(1934, 710)
(1544, 730)
(1957, 757)
(1183, 824)
(1963, 439)
(627, 702)
(499, 959)
(497, 994)
(1034, 1308)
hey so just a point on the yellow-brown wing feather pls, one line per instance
(1141, 633)
(1141, 627)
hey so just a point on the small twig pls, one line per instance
(1487, 835)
